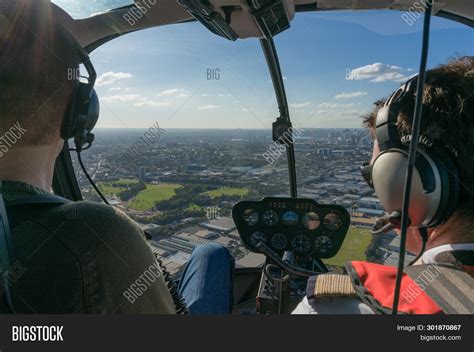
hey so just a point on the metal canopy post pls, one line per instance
(269, 50)
(417, 117)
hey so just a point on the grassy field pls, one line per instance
(107, 188)
(353, 248)
(228, 191)
(147, 198)
(193, 207)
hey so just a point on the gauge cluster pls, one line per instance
(292, 224)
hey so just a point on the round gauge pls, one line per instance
(256, 238)
(270, 218)
(301, 243)
(311, 220)
(332, 221)
(279, 241)
(250, 217)
(323, 244)
(290, 218)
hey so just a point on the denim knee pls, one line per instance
(215, 252)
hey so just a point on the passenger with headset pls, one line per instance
(58, 256)
(441, 212)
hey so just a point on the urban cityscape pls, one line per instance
(180, 185)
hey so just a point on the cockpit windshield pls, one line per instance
(185, 127)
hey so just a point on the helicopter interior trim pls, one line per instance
(165, 12)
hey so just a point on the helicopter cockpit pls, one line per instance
(223, 121)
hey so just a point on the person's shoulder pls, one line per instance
(108, 221)
(113, 252)
(93, 210)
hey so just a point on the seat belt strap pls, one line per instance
(452, 289)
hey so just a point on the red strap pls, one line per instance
(379, 280)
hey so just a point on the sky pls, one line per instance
(335, 65)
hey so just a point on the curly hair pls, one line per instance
(448, 118)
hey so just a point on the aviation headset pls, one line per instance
(83, 110)
(435, 185)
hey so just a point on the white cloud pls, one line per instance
(115, 89)
(378, 72)
(301, 105)
(350, 95)
(174, 92)
(207, 107)
(109, 78)
(150, 104)
(204, 95)
(136, 99)
(121, 98)
(336, 106)
(335, 112)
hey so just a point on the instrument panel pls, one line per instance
(292, 224)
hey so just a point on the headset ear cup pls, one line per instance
(389, 174)
(86, 115)
(93, 112)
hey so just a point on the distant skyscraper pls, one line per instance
(142, 173)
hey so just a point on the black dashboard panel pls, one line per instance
(292, 224)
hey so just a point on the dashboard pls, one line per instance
(292, 224)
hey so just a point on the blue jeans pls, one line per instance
(207, 282)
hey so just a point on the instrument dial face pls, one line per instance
(311, 220)
(290, 218)
(323, 244)
(301, 243)
(256, 238)
(250, 217)
(332, 221)
(270, 218)
(279, 241)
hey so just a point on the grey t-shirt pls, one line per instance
(81, 257)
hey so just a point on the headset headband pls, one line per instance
(83, 59)
(386, 128)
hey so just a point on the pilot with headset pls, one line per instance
(58, 256)
(441, 213)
